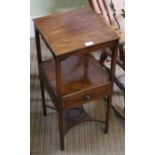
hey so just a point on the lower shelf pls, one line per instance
(75, 76)
(75, 116)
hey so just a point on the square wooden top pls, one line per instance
(72, 31)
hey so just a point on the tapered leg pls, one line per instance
(108, 113)
(112, 77)
(39, 58)
(43, 98)
(61, 129)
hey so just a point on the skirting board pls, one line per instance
(31, 28)
(32, 35)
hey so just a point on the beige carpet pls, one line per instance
(84, 139)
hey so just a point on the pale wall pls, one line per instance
(43, 7)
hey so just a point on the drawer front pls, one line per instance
(80, 98)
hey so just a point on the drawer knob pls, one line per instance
(87, 97)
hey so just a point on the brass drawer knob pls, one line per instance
(87, 97)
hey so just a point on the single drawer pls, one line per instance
(82, 97)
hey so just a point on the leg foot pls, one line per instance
(108, 114)
(61, 129)
(43, 98)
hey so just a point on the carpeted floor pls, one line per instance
(86, 138)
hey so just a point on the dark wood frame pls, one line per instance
(64, 123)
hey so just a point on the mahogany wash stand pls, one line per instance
(73, 76)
